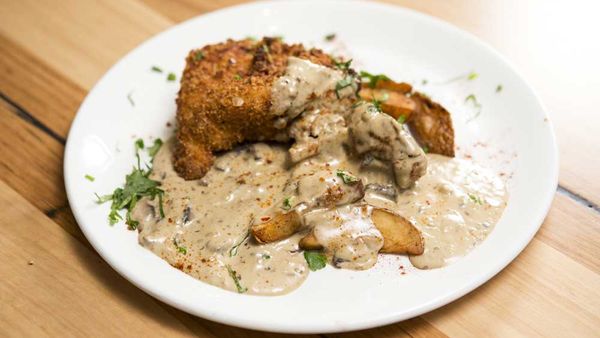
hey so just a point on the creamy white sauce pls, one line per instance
(205, 229)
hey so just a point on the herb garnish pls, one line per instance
(346, 82)
(198, 56)
(475, 199)
(251, 37)
(130, 98)
(180, 249)
(373, 79)
(287, 203)
(377, 104)
(171, 77)
(498, 88)
(266, 256)
(330, 37)
(316, 260)
(157, 69)
(401, 119)
(234, 249)
(237, 77)
(342, 65)
(89, 178)
(236, 279)
(476, 104)
(472, 76)
(424, 82)
(347, 177)
(425, 149)
(137, 185)
(155, 148)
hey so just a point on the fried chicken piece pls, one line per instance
(225, 98)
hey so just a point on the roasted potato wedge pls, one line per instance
(428, 121)
(400, 236)
(432, 126)
(309, 242)
(281, 226)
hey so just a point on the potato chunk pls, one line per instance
(281, 226)
(400, 236)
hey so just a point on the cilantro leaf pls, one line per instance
(475, 199)
(89, 178)
(171, 77)
(287, 203)
(401, 119)
(234, 249)
(316, 260)
(152, 151)
(156, 69)
(330, 37)
(198, 55)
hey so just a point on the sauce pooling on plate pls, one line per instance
(347, 159)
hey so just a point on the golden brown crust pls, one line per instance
(225, 98)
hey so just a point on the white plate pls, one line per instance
(512, 134)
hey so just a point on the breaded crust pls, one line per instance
(225, 98)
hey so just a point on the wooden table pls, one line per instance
(53, 284)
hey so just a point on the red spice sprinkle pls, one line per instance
(169, 124)
(264, 219)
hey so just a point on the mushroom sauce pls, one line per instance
(346, 160)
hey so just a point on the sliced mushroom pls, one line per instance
(310, 242)
(400, 236)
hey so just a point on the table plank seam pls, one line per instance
(29, 118)
(578, 198)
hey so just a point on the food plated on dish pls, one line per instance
(286, 159)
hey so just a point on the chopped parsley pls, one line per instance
(234, 249)
(424, 82)
(346, 82)
(287, 203)
(266, 256)
(347, 177)
(236, 279)
(425, 149)
(157, 69)
(373, 79)
(130, 98)
(401, 119)
(198, 55)
(90, 178)
(475, 199)
(180, 249)
(171, 77)
(498, 88)
(377, 104)
(342, 65)
(330, 37)
(153, 150)
(472, 76)
(316, 260)
(137, 185)
(472, 99)
(237, 77)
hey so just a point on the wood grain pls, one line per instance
(52, 52)
(52, 285)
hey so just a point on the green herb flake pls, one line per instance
(473, 100)
(316, 260)
(499, 88)
(266, 256)
(472, 76)
(424, 82)
(372, 79)
(342, 65)
(236, 279)
(137, 185)
(425, 149)
(198, 55)
(171, 77)
(237, 77)
(251, 37)
(330, 37)
(401, 119)
(130, 98)
(180, 249)
(377, 104)
(156, 69)
(153, 150)
(234, 249)
(475, 199)
(287, 203)
(347, 177)
(346, 82)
